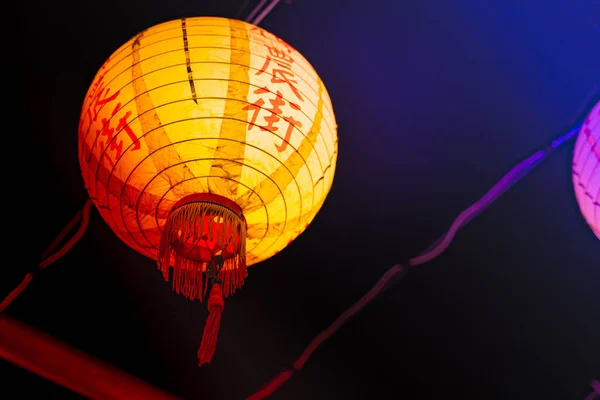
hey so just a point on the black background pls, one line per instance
(435, 101)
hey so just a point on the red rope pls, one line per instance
(85, 212)
(16, 291)
(62, 235)
(69, 245)
(327, 333)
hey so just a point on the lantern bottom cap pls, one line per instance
(200, 228)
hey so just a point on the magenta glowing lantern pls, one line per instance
(586, 169)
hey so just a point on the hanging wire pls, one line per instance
(242, 8)
(84, 216)
(255, 10)
(254, 17)
(265, 12)
(526, 166)
(510, 179)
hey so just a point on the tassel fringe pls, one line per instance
(194, 222)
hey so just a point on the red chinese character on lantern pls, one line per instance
(263, 36)
(256, 29)
(102, 99)
(282, 71)
(274, 117)
(280, 55)
(284, 44)
(111, 139)
(270, 38)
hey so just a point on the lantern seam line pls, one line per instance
(110, 119)
(264, 206)
(150, 153)
(592, 152)
(267, 176)
(136, 118)
(117, 75)
(278, 232)
(329, 124)
(583, 186)
(302, 59)
(120, 209)
(116, 134)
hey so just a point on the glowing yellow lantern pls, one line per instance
(207, 144)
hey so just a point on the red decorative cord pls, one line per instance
(83, 214)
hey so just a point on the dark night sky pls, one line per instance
(435, 101)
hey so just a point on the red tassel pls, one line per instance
(208, 345)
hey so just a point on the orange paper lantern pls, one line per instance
(207, 144)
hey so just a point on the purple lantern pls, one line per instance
(586, 169)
